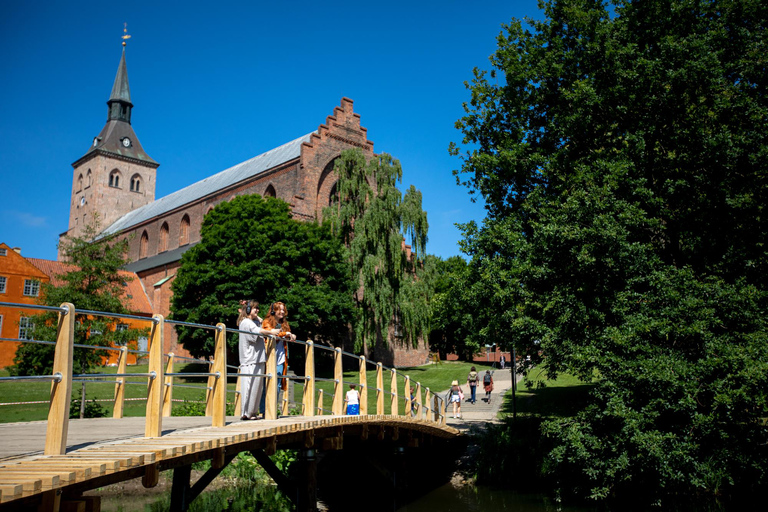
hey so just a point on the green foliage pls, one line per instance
(454, 329)
(372, 217)
(92, 283)
(622, 158)
(251, 248)
(196, 407)
(92, 408)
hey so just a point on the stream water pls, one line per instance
(481, 499)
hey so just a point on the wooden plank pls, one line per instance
(27, 484)
(10, 491)
(146, 456)
(64, 475)
(48, 479)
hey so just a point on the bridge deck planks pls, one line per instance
(115, 460)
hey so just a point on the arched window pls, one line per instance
(184, 230)
(333, 197)
(114, 179)
(270, 192)
(88, 178)
(136, 183)
(143, 245)
(163, 242)
(79, 186)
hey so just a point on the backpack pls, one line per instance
(487, 379)
(472, 378)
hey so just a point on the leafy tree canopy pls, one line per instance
(251, 248)
(92, 283)
(454, 329)
(372, 216)
(622, 158)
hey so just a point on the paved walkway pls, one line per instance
(481, 412)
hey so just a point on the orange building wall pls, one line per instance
(15, 269)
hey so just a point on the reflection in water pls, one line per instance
(482, 499)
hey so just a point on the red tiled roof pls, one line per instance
(137, 302)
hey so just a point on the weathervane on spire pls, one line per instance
(125, 35)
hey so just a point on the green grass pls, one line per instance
(562, 397)
(437, 377)
(28, 391)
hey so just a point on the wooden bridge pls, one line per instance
(111, 450)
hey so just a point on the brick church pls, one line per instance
(116, 179)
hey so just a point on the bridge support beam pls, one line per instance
(182, 493)
(307, 495)
(283, 483)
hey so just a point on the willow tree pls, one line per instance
(374, 218)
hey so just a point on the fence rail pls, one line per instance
(160, 379)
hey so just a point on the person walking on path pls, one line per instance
(455, 396)
(488, 384)
(472, 380)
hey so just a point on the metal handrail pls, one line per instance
(117, 315)
(56, 377)
(34, 306)
(191, 324)
(182, 374)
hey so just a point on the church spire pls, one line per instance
(120, 100)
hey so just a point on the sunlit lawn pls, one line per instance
(555, 398)
(437, 377)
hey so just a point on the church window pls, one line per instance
(163, 243)
(79, 183)
(143, 245)
(88, 179)
(114, 179)
(184, 231)
(270, 192)
(333, 197)
(136, 183)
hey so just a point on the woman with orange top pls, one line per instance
(277, 320)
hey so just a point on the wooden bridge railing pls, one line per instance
(160, 380)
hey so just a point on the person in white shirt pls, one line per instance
(253, 359)
(353, 401)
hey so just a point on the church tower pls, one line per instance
(115, 176)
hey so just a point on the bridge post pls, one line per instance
(58, 413)
(209, 387)
(238, 396)
(270, 383)
(338, 386)
(436, 409)
(307, 488)
(219, 391)
(363, 387)
(418, 400)
(320, 404)
(427, 409)
(122, 362)
(153, 426)
(168, 388)
(407, 392)
(309, 382)
(379, 390)
(393, 404)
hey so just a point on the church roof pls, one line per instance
(212, 184)
(120, 89)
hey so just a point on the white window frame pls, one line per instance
(24, 326)
(3, 251)
(31, 288)
(3, 284)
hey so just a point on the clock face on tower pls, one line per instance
(126, 142)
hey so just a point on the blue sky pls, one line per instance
(216, 83)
